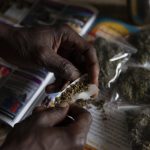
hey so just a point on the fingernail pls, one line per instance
(63, 105)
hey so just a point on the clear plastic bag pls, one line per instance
(132, 88)
(141, 41)
(138, 121)
(112, 54)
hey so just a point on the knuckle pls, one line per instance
(65, 28)
(78, 140)
(97, 68)
(41, 53)
(91, 49)
(68, 32)
(65, 67)
(42, 56)
(69, 71)
(39, 118)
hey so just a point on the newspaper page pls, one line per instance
(109, 131)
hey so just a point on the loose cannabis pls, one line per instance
(80, 86)
(141, 40)
(133, 86)
(66, 96)
(107, 50)
(139, 129)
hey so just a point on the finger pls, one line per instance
(82, 119)
(92, 65)
(59, 65)
(39, 109)
(57, 86)
(52, 116)
(69, 52)
(54, 87)
(85, 49)
(77, 59)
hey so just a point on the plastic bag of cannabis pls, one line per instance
(132, 88)
(112, 54)
(138, 121)
(141, 41)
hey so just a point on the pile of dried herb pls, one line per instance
(141, 40)
(105, 51)
(139, 129)
(133, 86)
(66, 96)
(76, 88)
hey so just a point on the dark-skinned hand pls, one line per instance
(60, 49)
(46, 129)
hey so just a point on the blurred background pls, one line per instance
(131, 11)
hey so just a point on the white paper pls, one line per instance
(110, 134)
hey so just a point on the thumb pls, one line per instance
(52, 116)
(60, 66)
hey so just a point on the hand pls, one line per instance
(59, 49)
(44, 130)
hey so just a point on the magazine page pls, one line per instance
(13, 12)
(79, 17)
(5, 73)
(20, 91)
(82, 17)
